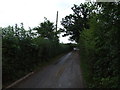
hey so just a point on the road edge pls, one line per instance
(19, 80)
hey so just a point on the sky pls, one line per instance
(32, 12)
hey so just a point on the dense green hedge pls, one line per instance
(22, 51)
(100, 48)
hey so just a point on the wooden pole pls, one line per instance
(56, 20)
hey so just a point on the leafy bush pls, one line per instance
(101, 45)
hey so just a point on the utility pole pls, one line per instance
(56, 20)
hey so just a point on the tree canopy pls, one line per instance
(75, 23)
(47, 30)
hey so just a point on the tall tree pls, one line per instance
(75, 23)
(47, 30)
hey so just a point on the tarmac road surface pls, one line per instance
(64, 73)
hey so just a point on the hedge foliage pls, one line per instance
(100, 47)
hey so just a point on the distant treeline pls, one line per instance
(96, 28)
(24, 50)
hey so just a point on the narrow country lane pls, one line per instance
(65, 73)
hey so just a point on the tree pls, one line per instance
(47, 30)
(75, 23)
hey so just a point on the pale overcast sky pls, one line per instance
(32, 12)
